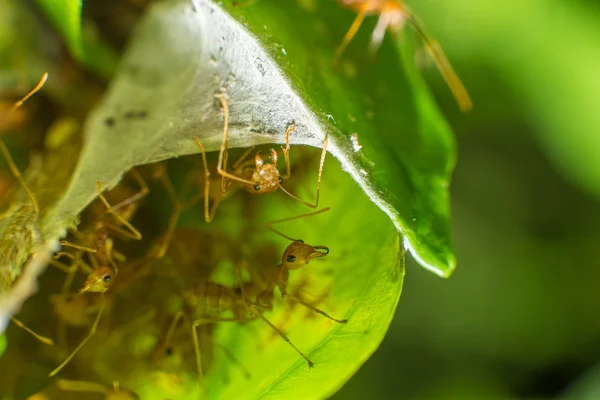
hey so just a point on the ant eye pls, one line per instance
(280, 180)
(257, 187)
(169, 351)
(291, 258)
(107, 278)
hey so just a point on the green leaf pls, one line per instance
(407, 149)
(83, 42)
(157, 104)
(361, 278)
(65, 15)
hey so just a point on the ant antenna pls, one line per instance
(360, 17)
(11, 164)
(270, 224)
(84, 341)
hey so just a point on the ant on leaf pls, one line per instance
(209, 302)
(105, 270)
(393, 15)
(255, 176)
(296, 256)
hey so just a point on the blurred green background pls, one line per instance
(520, 316)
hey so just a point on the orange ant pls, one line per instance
(296, 256)
(102, 276)
(393, 14)
(11, 164)
(114, 393)
(255, 176)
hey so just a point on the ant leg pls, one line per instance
(350, 34)
(171, 331)
(378, 34)
(450, 77)
(286, 151)
(270, 224)
(195, 325)
(243, 157)
(84, 341)
(77, 246)
(168, 236)
(80, 386)
(15, 171)
(31, 93)
(321, 163)
(177, 210)
(452, 80)
(144, 190)
(41, 338)
(209, 212)
(224, 152)
(131, 232)
(311, 307)
(222, 162)
(11, 164)
(258, 314)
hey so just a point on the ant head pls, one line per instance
(298, 254)
(266, 175)
(99, 280)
